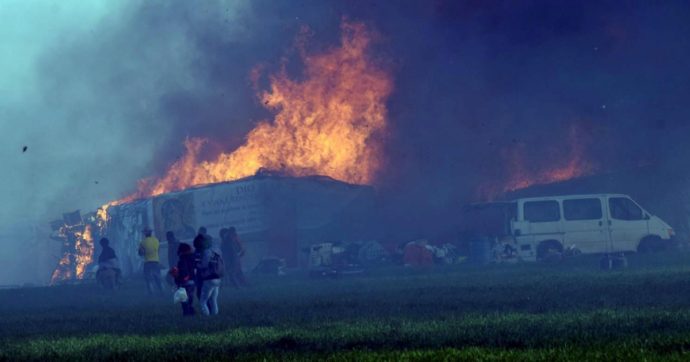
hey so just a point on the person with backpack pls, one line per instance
(185, 275)
(211, 270)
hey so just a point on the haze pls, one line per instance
(104, 93)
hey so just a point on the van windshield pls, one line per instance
(622, 208)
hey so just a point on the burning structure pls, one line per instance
(277, 216)
(331, 122)
(76, 235)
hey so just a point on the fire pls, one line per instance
(102, 216)
(102, 213)
(84, 251)
(63, 270)
(75, 260)
(521, 175)
(330, 123)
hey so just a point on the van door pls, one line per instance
(543, 220)
(627, 225)
(584, 225)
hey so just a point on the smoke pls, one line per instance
(479, 82)
(104, 93)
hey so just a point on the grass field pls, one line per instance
(569, 312)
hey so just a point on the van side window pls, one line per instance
(582, 209)
(622, 208)
(542, 211)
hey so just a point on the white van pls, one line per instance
(600, 223)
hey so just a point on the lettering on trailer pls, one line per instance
(237, 204)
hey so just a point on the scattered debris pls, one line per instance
(271, 266)
(417, 254)
(333, 260)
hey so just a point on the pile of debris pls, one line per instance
(76, 234)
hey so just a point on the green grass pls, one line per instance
(568, 312)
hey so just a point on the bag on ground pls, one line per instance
(180, 296)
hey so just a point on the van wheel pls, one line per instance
(650, 244)
(550, 250)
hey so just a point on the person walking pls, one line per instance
(148, 249)
(108, 274)
(173, 245)
(185, 275)
(233, 249)
(208, 239)
(201, 243)
(226, 249)
(211, 270)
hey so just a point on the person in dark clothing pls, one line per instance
(173, 244)
(229, 253)
(233, 250)
(109, 272)
(107, 252)
(185, 276)
(225, 246)
(201, 243)
(208, 239)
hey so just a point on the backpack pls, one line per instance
(216, 267)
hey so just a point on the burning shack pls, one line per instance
(275, 215)
(329, 122)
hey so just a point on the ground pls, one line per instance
(530, 312)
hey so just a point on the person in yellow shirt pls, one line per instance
(148, 249)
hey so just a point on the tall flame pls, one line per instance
(84, 251)
(330, 124)
(75, 260)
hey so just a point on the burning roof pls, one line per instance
(331, 123)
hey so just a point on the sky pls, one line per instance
(103, 93)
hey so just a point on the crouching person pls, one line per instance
(212, 269)
(185, 274)
(108, 274)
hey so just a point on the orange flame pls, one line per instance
(63, 270)
(74, 262)
(330, 124)
(84, 249)
(575, 165)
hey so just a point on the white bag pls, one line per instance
(180, 296)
